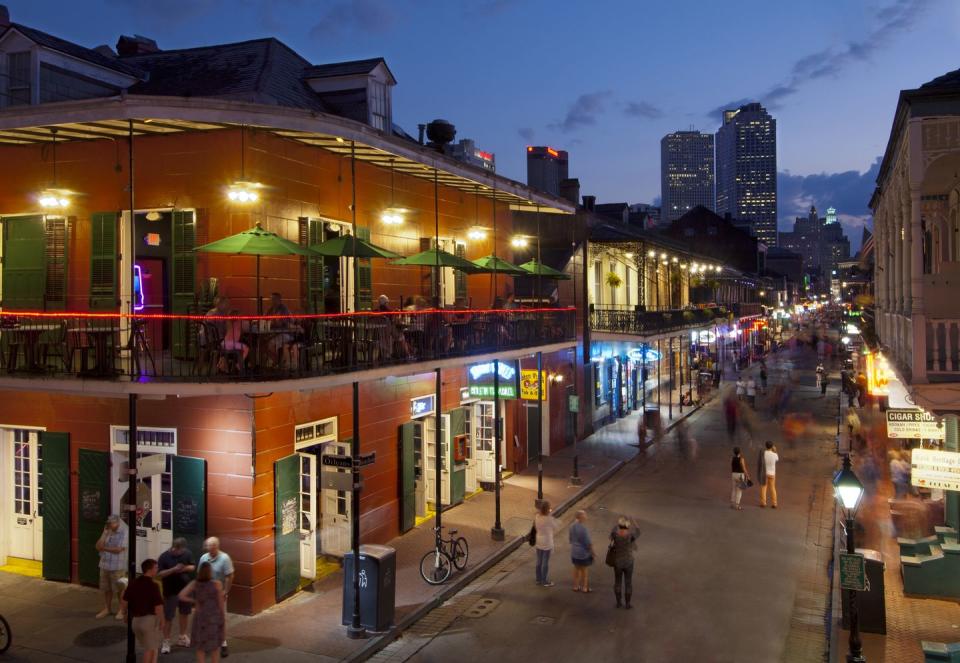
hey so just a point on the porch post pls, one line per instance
(355, 630)
(917, 311)
(131, 517)
(496, 532)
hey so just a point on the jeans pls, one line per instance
(626, 574)
(771, 485)
(543, 566)
(736, 491)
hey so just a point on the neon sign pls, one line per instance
(423, 406)
(644, 355)
(138, 300)
(506, 371)
(480, 379)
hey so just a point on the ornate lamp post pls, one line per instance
(848, 491)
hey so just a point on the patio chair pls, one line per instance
(54, 344)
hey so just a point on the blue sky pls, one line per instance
(604, 80)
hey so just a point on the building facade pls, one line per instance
(746, 163)
(822, 243)
(547, 168)
(686, 173)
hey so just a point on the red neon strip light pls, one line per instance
(305, 316)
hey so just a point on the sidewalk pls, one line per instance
(54, 621)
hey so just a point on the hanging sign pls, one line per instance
(913, 424)
(480, 378)
(930, 468)
(423, 406)
(644, 355)
(853, 572)
(528, 384)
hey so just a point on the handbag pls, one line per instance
(609, 558)
(532, 536)
(743, 484)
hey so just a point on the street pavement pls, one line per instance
(711, 584)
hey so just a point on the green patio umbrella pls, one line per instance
(256, 242)
(343, 247)
(534, 268)
(439, 258)
(492, 264)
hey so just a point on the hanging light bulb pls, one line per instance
(244, 192)
(392, 216)
(477, 233)
(53, 199)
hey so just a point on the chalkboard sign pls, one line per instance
(90, 504)
(288, 519)
(186, 515)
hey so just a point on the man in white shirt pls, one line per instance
(770, 459)
(222, 568)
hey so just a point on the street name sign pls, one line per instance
(367, 459)
(853, 573)
(930, 468)
(336, 460)
(913, 425)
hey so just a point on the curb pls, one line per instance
(378, 642)
(833, 632)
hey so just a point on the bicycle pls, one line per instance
(6, 635)
(437, 565)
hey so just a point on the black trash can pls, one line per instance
(651, 417)
(871, 605)
(378, 576)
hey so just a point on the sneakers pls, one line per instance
(548, 584)
(165, 647)
(183, 641)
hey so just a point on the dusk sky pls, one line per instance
(604, 80)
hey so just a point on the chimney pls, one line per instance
(589, 202)
(4, 17)
(136, 45)
(440, 133)
(570, 189)
(106, 51)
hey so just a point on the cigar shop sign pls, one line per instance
(913, 425)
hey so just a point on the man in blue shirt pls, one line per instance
(112, 546)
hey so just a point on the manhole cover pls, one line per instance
(481, 608)
(101, 636)
(542, 620)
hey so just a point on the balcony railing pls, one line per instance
(619, 321)
(200, 348)
(742, 310)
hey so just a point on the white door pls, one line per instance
(335, 510)
(483, 441)
(154, 498)
(308, 515)
(430, 459)
(471, 470)
(26, 525)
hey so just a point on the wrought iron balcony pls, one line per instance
(639, 323)
(201, 348)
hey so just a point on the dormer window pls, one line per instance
(379, 105)
(359, 90)
(18, 79)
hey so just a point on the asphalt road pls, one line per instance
(711, 584)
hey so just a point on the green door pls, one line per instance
(190, 502)
(408, 480)
(24, 262)
(56, 505)
(458, 474)
(94, 506)
(286, 485)
(103, 261)
(533, 433)
(183, 277)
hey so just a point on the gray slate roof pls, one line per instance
(351, 68)
(951, 79)
(77, 51)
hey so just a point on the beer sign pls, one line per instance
(528, 384)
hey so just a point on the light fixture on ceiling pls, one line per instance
(243, 191)
(392, 215)
(153, 216)
(53, 198)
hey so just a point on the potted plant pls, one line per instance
(613, 280)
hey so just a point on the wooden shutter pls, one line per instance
(24, 252)
(364, 275)
(408, 482)
(458, 472)
(183, 278)
(311, 270)
(103, 261)
(56, 505)
(190, 501)
(460, 278)
(56, 230)
(286, 486)
(93, 505)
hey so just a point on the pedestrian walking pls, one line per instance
(642, 430)
(622, 545)
(112, 546)
(209, 618)
(824, 381)
(820, 372)
(142, 598)
(739, 478)
(174, 569)
(763, 379)
(769, 459)
(546, 526)
(741, 388)
(752, 392)
(221, 567)
(581, 552)
(899, 475)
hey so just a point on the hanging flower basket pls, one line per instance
(613, 280)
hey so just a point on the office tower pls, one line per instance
(747, 169)
(546, 168)
(686, 173)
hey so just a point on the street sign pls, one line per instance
(335, 460)
(853, 573)
(913, 424)
(423, 406)
(573, 403)
(367, 459)
(930, 468)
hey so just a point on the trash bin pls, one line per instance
(651, 417)
(378, 574)
(871, 604)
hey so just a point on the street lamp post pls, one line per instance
(848, 491)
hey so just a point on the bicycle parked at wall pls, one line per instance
(6, 636)
(447, 554)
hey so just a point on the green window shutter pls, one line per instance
(190, 501)
(103, 261)
(365, 275)
(311, 235)
(183, 278)
(24, 253)
(286, 534)
(56, 229)
(408, 485)
(93, 505)
(56, 505)
(458, 474)
(460, 278)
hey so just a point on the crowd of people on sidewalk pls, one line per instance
(171, 587)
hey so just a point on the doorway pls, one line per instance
(483, 436)
(25, 476)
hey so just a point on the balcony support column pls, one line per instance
(918, 321)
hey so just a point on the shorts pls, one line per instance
(113, 581)
(172, 603)
(582, 563)
(147, 630)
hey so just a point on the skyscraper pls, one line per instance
(546, 168)
(747, 169)
(686, 173)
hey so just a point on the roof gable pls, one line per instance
(75, 50)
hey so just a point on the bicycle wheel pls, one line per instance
(461, 551)
(6, 637)
(435, 567)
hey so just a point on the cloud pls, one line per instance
(849, 192)
(583, 111)
(526, 133)
(888, 21)
(642, 109)
(375, 16)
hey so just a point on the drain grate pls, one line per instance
(542, 620)
(481, 608)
